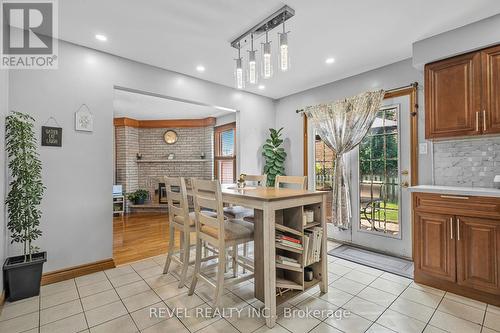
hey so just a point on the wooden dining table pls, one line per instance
(266, 202)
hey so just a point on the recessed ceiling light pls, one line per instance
(262, 87)
(330, 61)
(200, 68)
(101, 38)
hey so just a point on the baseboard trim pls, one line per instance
(75, 271)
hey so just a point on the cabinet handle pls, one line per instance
(454, 197)
(477, 121)
(458, 228)
(484, 120)
(451, 227)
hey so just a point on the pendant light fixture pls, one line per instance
(261, 31)
(284, 54)
(252, 75)
(267, 66)
(238, 71)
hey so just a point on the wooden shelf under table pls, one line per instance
(289, 248)
(290, 268)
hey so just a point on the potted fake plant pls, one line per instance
(23, 273)
(138, 196)
(274, 155)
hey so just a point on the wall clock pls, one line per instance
(170, 137)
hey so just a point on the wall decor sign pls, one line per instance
(51, 136)
(84, 120)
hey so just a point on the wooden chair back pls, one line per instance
(301, 181)
(259, 180)
(207, 196)
(177, 199)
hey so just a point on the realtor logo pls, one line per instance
(29, 34)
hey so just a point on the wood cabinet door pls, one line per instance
(491, 89)
(478, 253)
(453, 97)
(434, 237)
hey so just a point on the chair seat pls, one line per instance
(237, 212)
(234, 230)
(192, 217)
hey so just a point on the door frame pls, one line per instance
(410, 90)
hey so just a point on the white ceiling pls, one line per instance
(144, 107)
(179, 35)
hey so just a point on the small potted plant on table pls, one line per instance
(138, 197)
(23, 273)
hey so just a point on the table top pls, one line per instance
(267, 193)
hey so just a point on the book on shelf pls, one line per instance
(288, 241)
(289, 244)
(312, 245)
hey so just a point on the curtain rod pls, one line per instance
(411, 85)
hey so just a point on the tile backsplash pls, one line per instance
(467, 162)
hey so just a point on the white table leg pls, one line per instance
(269, 265)
(324, 255)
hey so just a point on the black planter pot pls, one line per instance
(139, 201)
(22, 279)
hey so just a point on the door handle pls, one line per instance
(451, 227)
(484, 120)
(477, 121)
(454, 197)
(458, 228)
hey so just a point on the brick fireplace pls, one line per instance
(142, 155)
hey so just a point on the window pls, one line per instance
(225, 153)
(324, 163)
(378, 174)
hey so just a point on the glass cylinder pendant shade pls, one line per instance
(266, 66)
(238, 74)
(284, 57)
(252, 73)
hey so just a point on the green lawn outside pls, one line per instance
(391, 212)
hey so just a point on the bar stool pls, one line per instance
(301, 181)
(218, 233)
(182, 220)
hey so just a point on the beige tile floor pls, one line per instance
(120, 300)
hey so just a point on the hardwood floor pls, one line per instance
(140, 235)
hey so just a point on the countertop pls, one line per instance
(457, 190)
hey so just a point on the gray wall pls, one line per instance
(4, 106)
(468, 38)
(76, 208)
(388, 77)
(225, 119)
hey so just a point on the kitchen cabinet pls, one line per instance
(436, 246)
(490, 60)
(462, 95)
(456, 242)
(478, 253)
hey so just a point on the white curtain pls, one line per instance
(342, 125)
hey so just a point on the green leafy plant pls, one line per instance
(275, 156)
(26, 187)
(138, 195)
